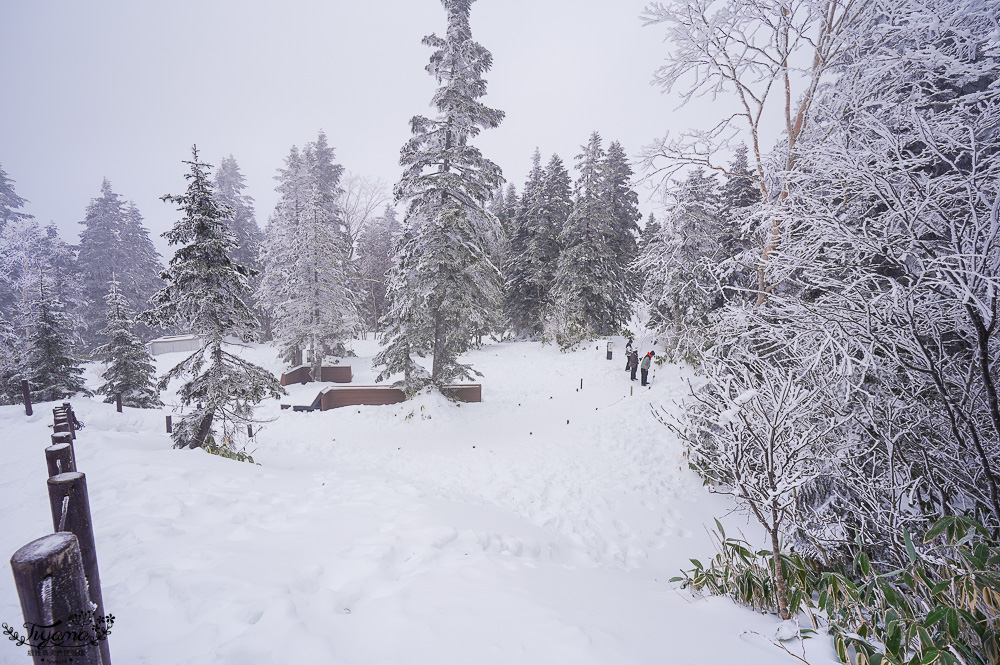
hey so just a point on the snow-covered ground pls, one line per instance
(539, 526)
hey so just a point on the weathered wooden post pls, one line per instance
(26, 393)
(70, 506)
(581, 384)
(67, 438)
(48, 574)
(249, 430)
(170, 426)
(118, 402)
(59, 459)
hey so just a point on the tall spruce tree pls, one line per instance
(207, 292)
(114, 244)
(229, 188)
(588, 295)
(50, 366)
(524, 300)
(308, 283)
(623, 215)
(130, 372)
(444, 288)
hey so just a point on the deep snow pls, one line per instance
(424, 532)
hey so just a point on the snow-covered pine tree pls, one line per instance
(681, 285)
(52, 370)
(10, 202)
(444, 288)
(99, 255)
(589, 295)
(130, 370)
(206, 292)
(623, 215)
(139, 277)
(737, 196)
(229, 189)
(308, 280)
(114, 243)
(375, 248)
(523, 302)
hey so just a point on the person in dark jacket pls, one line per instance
(646, 360)
(628, 355)
(633, 362)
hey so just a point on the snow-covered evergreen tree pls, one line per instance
(375, 250)
(524, 298)
(680, 267)
(114, 244)
(206, 292)
(130, 370)
(444, 288)
(308, 282)
(10, 363)
(50, 366)
(623, 215)
(589, 293)
(229, 189)
(10, 202)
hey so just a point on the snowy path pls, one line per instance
(486, 533)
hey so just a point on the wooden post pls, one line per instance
(71, 512)
(59, 459)
(249, 430)
(118, 402)
(26, 393)
(630, 389)
(48, 574)
(170, 426)
(581, 384)
(67, 438)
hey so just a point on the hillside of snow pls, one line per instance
(539, 526)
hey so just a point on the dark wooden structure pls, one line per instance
(335, 397)
(328, 374)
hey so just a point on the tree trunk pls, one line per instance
(204, 429)
(780, 587)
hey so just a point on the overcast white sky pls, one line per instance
(122, 89)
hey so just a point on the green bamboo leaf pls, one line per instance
(911, 551)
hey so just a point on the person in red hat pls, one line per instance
(646, 361)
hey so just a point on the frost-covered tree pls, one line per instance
(206, 292)
(50, 366)
(230, 186)
(770, 57)
(524, 298)
(590, 292)
(444, 289)
(130, 372)
(623, 215)
(10, 202)
(681, 264)
(114, 244)
(375, 250)
(359, 199)
(309, 281)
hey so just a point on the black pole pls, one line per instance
(71, 512)
(170, 426)
(26, 393)
(118, 402)
(59, 459)
(48, 574)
